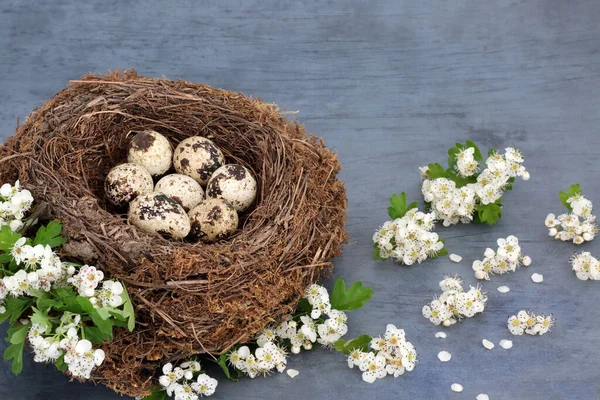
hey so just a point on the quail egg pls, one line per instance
(152, 151)
(125, 182)
(181, 188)
(234, 183)
(197, 157)
(213, 220)
(158, 213)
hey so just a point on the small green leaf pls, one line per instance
(50, 235)
(442, 252)
(346, 346)
(571, 191)
(156, 393)
(41, 318)
(17, 334)
(60, 363)
(94, 334)
(8, 238)
(489, 213)
(128, 310)
(223, 364)
(304, 306)
(435, 171)
(491, 152)
(398, 206)
(14, 352)
(105, 325)
(15, 307)
(376, 252)
(352, 299)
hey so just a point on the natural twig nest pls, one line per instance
(190, 297)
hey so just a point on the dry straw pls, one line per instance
(190, 297)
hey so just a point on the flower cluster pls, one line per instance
(79, 355)
(454, 303)
(187, 381)
(408, 239)
(14, 204)
(528, 322)
(586, 266)
(579, 225)
(391, 354)
(507, 258)
(297, 333)
(46, 270)
(458, 194)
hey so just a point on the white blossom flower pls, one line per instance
(528, 322)
(206, 385)
(373, 367)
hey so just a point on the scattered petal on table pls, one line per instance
(537, 278)
(292, 373)
(482, 396)
(456, 387)
(503, 289)
(487, 344)
(455, 257)
(444, 356)
(506, 344)
(441, 335)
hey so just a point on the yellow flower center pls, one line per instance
(516, 322)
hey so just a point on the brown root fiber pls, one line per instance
(190, 298)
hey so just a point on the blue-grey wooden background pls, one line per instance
(390, 85)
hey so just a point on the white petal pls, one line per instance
(292, 373)
(537, 278)
(506, 344)
(440, 335)
(456, 387)
(482, 396)
(526, 261)
(487, 344)
(503, 289)
(455, 257)
(444, 356)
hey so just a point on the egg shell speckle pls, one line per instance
(213, 220)
(197, 157)
(152, 151)
(181, 188)
(157, 213)
(125, 182)
(234, 183)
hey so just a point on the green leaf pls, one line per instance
(40, 317)
(15, 307)
(223, 364)
(435, 171)
(398, 206)
(17, 334)
(352, 299)
(8, 238)
(60, 363)
(442, 252)
(376, 252)
(489, 213)
(346, 346)
(452, 154)
(303, 306)
(156, 393)
(94, 334)
(14, 352)
(50, 235)
(572, 191)
(491, 152)
(128, 310)
(104, 324)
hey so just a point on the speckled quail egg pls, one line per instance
(213, 220)
(152, 151)
(197, 157)
(234, 183)
(158, 213)
(181, 188)
(125, 182)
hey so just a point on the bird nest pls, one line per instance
(190, 298)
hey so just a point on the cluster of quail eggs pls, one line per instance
(201, 200)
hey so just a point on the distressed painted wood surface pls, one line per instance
(390, 85)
